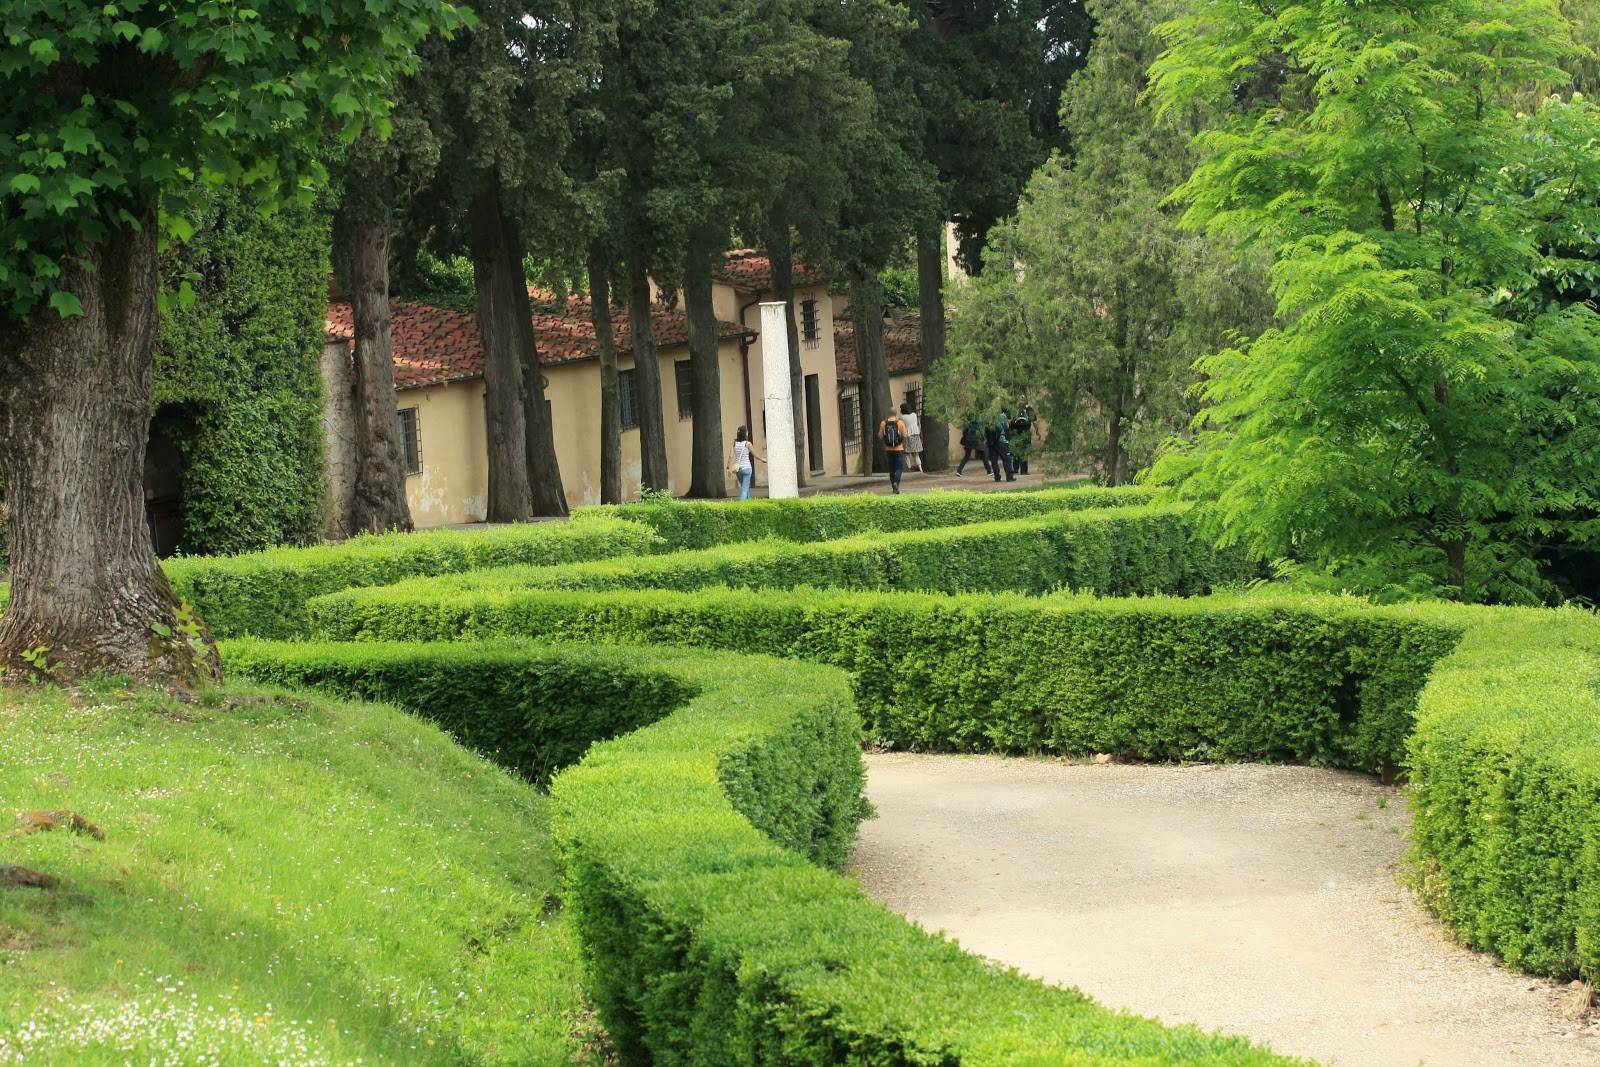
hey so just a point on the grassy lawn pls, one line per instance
(283, 879)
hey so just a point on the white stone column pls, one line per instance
(782, 478)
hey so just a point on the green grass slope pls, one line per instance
(283, 879)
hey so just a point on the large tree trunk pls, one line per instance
(708, 477)
(1114, 465)
(378, 500)
(781, 256)
(610, 393)
(539, 440)
(866, 307)
(930, 306)
(646, 375)
(498, 280)
(87, 594)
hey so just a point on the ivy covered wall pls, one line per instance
(238, 403)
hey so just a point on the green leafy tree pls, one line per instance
(1093, 302)
(989, 77)
(114, 119)
(889, 186)
(1419, 419)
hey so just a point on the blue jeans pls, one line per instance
(747, 478)
(897, 463)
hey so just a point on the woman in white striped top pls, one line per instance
(741, 462)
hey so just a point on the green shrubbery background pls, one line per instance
(238, 380)
(1116, 552)
(687, 524)
(1325, 681)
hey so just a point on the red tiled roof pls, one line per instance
(431, 345)
(434, 345)
(750, 270)
(902, 345)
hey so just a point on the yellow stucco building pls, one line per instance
(440, 391)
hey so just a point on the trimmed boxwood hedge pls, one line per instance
(264, 593)
(1123, 551)
(530, 709)
(1318, 680)
(1505, 780)
(686, 524)
(707, 936)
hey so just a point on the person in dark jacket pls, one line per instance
(1022, 438)
(998, 442)
(972, 445)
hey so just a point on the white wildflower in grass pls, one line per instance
(162, 1030)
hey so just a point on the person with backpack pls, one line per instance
(892, 432)
(1022, 438)
(972, 445)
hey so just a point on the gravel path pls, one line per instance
(1259, 900)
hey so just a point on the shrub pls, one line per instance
(1318, 680)
(1120, 552)
(1505, 765)
(706, 942)
(530, 709)
(686, 524)
(264, 593)
(238, 381)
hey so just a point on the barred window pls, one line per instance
(626, 400)
(411, 440)
(684, 373)
(810, 328)
(850, 417)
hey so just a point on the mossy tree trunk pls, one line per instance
(378, 502)
(87, 594)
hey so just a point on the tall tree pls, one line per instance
(989, 77)
(501, 101)
(888, 186)
(708, 477)
(1093, 302)
(1424, 415)
(378, 498)
(376, 173)
(109, 124)
(653, 473)
(599, 272)
(498, 278)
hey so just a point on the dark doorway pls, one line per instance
(814, 423)
(163, 477)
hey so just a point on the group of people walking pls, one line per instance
(1001, 444)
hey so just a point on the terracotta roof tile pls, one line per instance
(434, 345)
(902, 345)
(750, 270)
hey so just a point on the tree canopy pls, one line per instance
(1093, 303)
(1428, 413)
